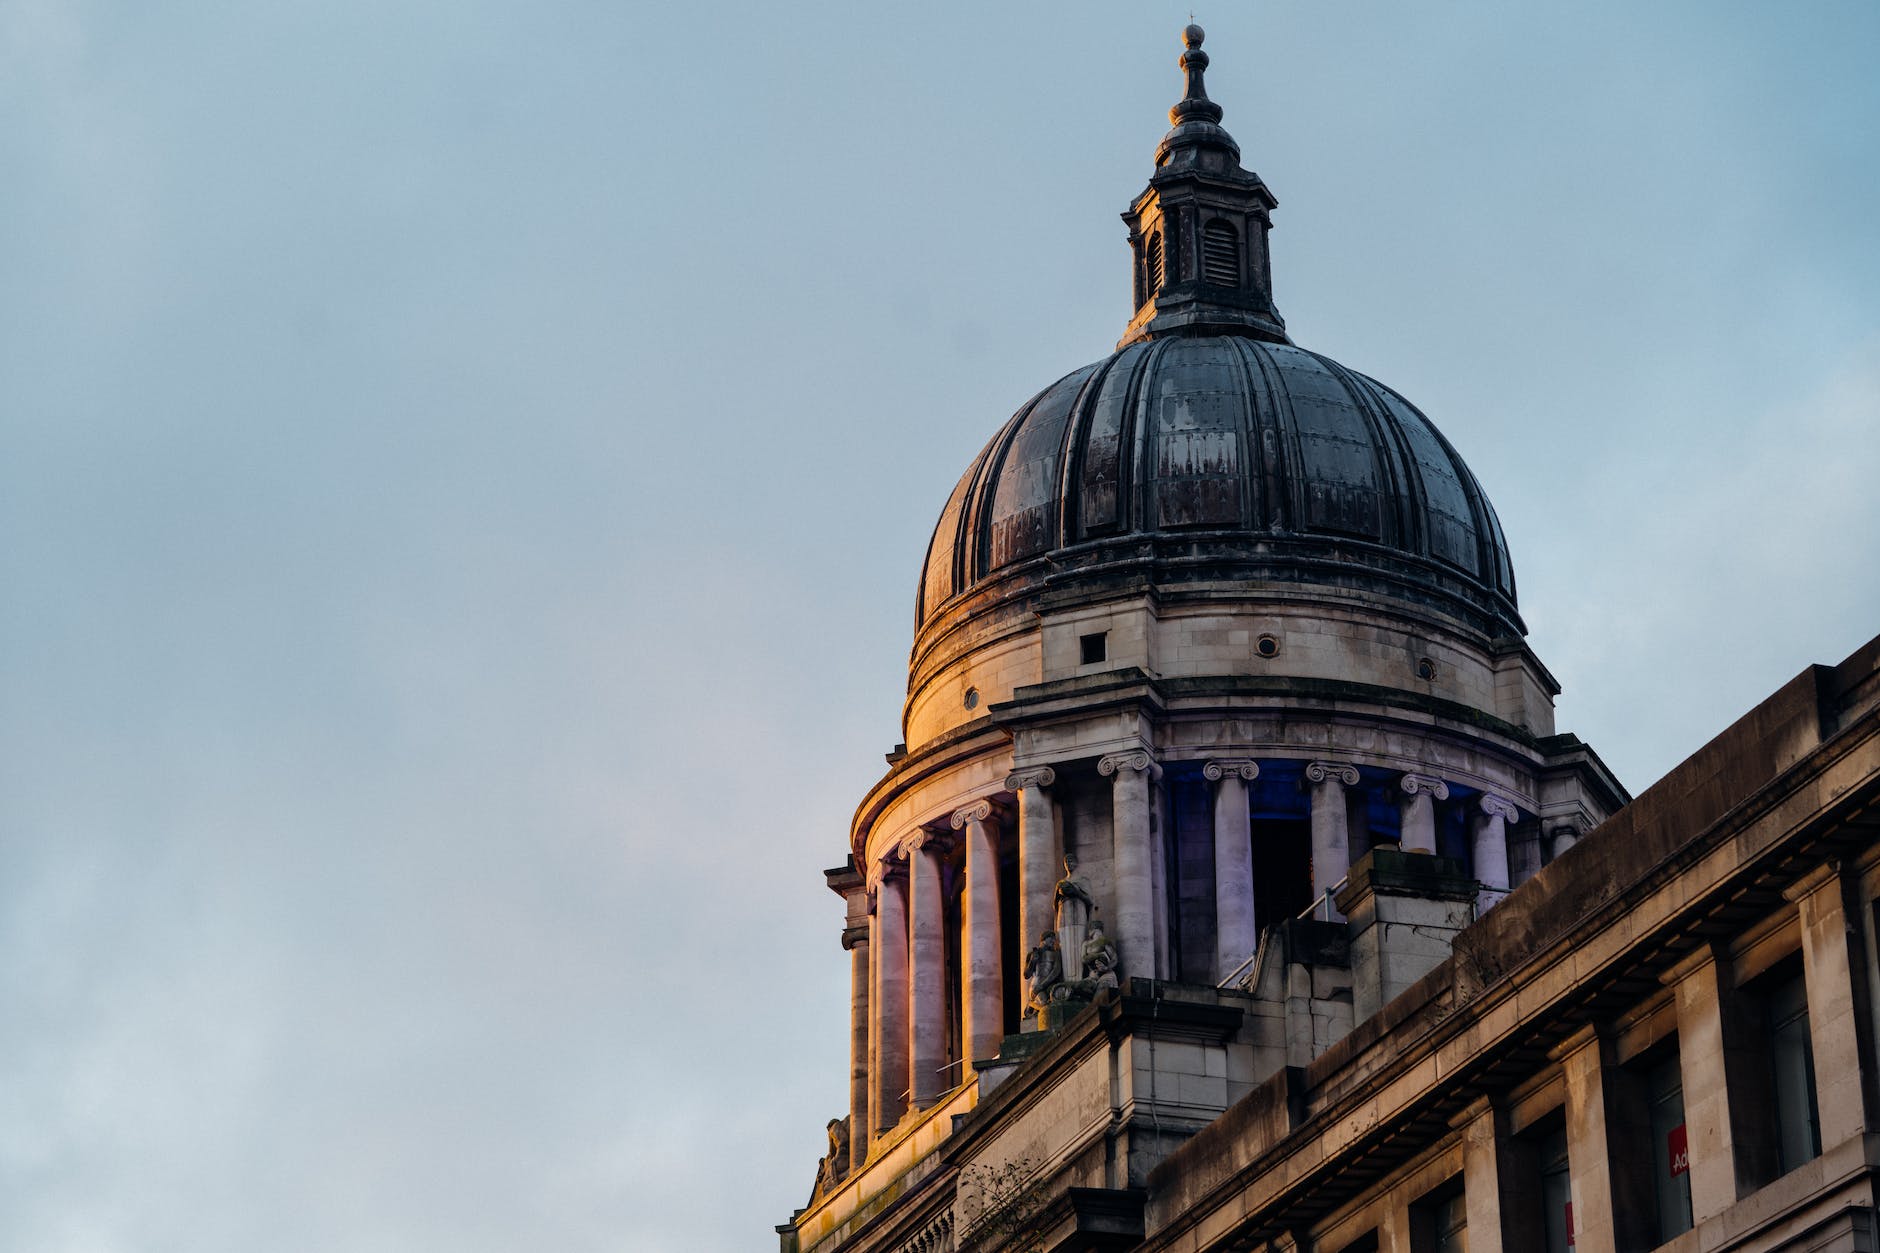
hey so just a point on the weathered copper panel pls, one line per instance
(1336, 449)
(1196, 409)
(1024, 503)
(1451, 520)
(1101, 481)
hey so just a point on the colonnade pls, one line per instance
(900, 976)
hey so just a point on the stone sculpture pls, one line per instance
(1101, 958)
(1074, 907)
(1044, 971)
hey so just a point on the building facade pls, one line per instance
(1234, 889)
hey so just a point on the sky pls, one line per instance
(464, 468)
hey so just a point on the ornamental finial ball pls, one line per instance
(1192, 35)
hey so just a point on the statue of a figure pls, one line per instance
(1101, 957)
(1044, 970)
(1074, 907)
(834, 1167)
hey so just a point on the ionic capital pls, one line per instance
(920, 838)
(1038, 777)
(890, 866)
(1332, 772)
(854, 938)
(1137, 760)
(1221, 767)
(1496, 807)
(978, 811)
(1414, 784)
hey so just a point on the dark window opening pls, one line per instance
(1156, 274)
(1011, 944)
(1092, 648)
(1267, 646)
(1792, 1063)
(1191, 923)
(1670, 1152)
(1220, 254)
(1439, 1223)
(1282, 869)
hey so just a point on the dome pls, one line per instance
(1208, 456)
(1209, 447)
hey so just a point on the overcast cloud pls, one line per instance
(464, 466)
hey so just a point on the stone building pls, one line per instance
(1234, 890)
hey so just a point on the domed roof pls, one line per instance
(1210, 456)
(1209, 446)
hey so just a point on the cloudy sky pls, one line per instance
(463, 470)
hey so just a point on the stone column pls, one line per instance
(1707, 1045)
(1490, 1181)
(1589, 1157)
(1561, 837)
(1131, 869)
(1236, 930)
(1490, 850)
(1420, 792)
(855, 940)
(982, 1000)
(1039, 857)
(1837, 1002)
(1331, 825)
(887, 1046)
(926, 983)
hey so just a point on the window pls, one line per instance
(1439, 1223)
(1090, 648)
(1671, 1159)
(1155, 263)
(1792, 1059)
(1556, 1193)
(1220, 254)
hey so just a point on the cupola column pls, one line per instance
(1420, 794)
(927, 991)
(1490, 851)
(849, 884)
(1038, 853)
(1132, 852)
(983, 1000)
(1236, 930)
(887, 949)
(1331, 827)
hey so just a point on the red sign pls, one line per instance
(1569, 1224)
(1677, 1151)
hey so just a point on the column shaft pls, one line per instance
(887, 950)
(1418, 833)
(1132, 849)
(1331, 826)
(1706, 1048)
(1837, 1004)
(1236, 930)
(858, 1051)
(1039, 857)
(927, 994)
(1489, 852)
(983, 1002)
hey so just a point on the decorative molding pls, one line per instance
(1037, 776)
(1220, 768)
(1330, 771)
(890, 866)
(1415, 784)
(1496, 807)
(854, 938)
(978, 811)
(1137, 759)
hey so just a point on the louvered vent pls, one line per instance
(1220, 254)
(1155, 263)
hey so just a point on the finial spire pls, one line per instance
(1195, 62)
